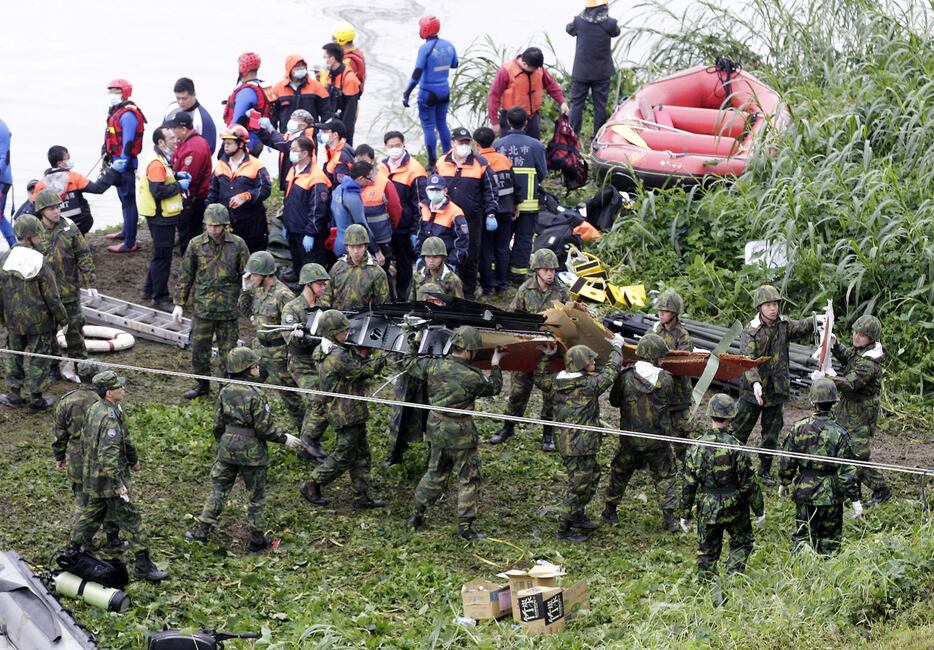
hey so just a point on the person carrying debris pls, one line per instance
(669, 307)
(357, 279)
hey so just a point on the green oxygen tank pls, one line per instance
(114, 600)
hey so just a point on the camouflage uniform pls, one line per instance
(213, 271)
(355, 288)
(452, 382)
(264, 307)
(342, 369)
(243, 425)
(769, 340)
(444, 277)
(678, 338)
(69, 257)
(819, 488)
(30, 309)
(303, 369)
(858, 408)
(728, 490)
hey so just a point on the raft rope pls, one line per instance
(622, 433)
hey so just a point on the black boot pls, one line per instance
(368, 503)
(200, 533)
(609, 514)
(312, 492)
(416, 520)
(203, 387)
(146, 570)
(765, 471)
(566, 534)
(548, 439)
(672, 525)
(881, 495)
(582, 522)
(258, 542)
(465, 531)
(114, 544)
(40, 402)
(504, 434)
(13, 400)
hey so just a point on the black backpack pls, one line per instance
(604, 207)
(564, 155)
(110, 573)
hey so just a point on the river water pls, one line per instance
(60, 54)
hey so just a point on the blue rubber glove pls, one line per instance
(184, 182)
(181, 175)
(414, 238)
(405, 101)
(285, 233)
(491, 223)
(265, 124)
(119, 165)
(307, 242)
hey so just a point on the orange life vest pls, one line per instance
(525, 89)
(264, 98)
(113, 134)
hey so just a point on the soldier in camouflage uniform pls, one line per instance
(643, 395)
(109, 455)
(669, 307)
(432, 268)
(577, 390)
(534, 296)
(263, 300)
(858, 408)
(30, 309)
(453, 383)
(344, 369)
(723, 485)
(301, 346)
(242, 426)
(211, 270)
(766, 388)
(819, 488)
(357, 280)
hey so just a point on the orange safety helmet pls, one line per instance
(248, 61)
(428, 26)
(125, 87)
(236, 132)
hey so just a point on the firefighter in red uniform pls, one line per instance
(494, 244)
(442, 218)
(343, 87)
(250, 99)
(523, 82)
(123, 140)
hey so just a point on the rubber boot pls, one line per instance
(465, 531)
(368, 503)
(114, 544)
(146, 570)
(504, 434)
(13, 400)
(40, 402)
(203, 387)
(416, 520)
(582, 522)
(672, 525)
(548, 439)
(881, 495)
(609, 514)
(200, 533)
(567, 534)
(312, 493)
(258, 541)
(765, 471)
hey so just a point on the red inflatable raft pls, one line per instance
(692, 126)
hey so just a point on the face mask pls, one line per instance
(435, 196)
(294, 156)
(462, 150)
(69, 164)
(293, 126)
(321, 138)
(299, 73)
(113, 99)
(395, 153)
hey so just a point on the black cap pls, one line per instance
(31, 184)
(333, 124)
(180, 119)
(460, 133)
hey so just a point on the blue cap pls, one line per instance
(436, 180)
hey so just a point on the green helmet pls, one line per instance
(261, 263)
(578, 358)
(434, 246)
(766, 293)
(870, 326)
(46, 199)
(27, 226)
(216, 215)
(356, 235)
(312, 273)
(466, 338)
(429, 290)
(108, 380)
(722, 407)
(240, 359)
(86, 370)
(823, 391)
(669, 301)
(651, 347)
(332, 322)
(543, 258)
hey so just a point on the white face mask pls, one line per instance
(293, 126)
(395, 153)
(462, 150)
(114, 99)
(68, 164)
(435, 196)
(294, 156)
(299, 73)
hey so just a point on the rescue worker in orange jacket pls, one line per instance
(494, 244)
(382, 209)
(409, 178)
(523, 82)
(123, 140)
(250, 95)
(442, 218)
(300, 124)
(306, 213)
(298, 90)
(71, 186)
(340, 154)
(343, 88)
(241, 183)
(344, 34)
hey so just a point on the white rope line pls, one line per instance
(623, 433)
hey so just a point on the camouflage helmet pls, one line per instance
(46, 199)
(722, 407)
(240, 359)
(578, 358)
(823, 391)
(870, 326)
(312, 273)
(261, 263)
(669, 301)
(429, 290)
(543, 258)
(27, 226)
(356, 235)
(108, 380)
(766, 293)
(466, 338)
(332, 322)
(434, 246)
(86, 370)
(651, 346)
(216, 214)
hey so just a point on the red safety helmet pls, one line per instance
(428, 26)
(125, 87)
(236, 132)
(248, 61)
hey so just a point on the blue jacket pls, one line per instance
(346, 210)
(435, 59)
(6, 175)
(529, 164)
(306, 207)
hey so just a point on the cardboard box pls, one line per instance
(519, 580)
(576, 599)
(545, 576)
(484, 599)
(541, 610)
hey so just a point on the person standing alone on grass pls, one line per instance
(593, 62)
(523, 82)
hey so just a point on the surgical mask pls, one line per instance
(322, 139)
(462, 150)
(299, 73)
(293, 126)
(395, 153)
(294, 156)
(69, 165)
(435, 196)
(114, 99)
